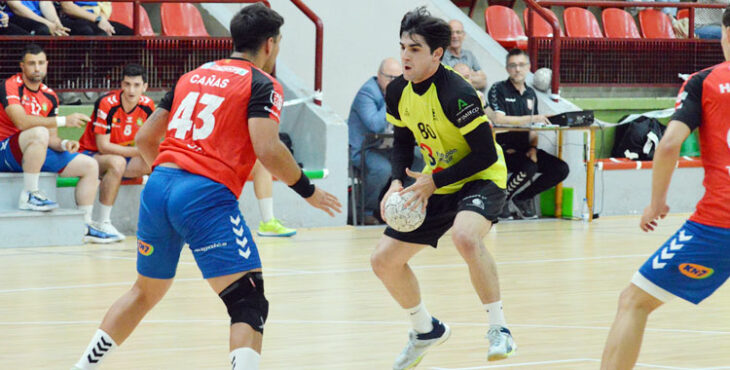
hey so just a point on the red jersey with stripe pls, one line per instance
(43, 103)
(109, 118)
(207, 133)
(704, 103)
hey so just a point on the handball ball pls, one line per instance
(542, 79)
(400, 218)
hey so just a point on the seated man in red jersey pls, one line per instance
(29, 142)
(116, 119)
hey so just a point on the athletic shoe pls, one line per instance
(108, 228)
(501, 344)
(94, 235)
(525, 208)
(274, 228)
(418, 344)
(35, 201)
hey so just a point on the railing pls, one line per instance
(557, 43)
(82, 51)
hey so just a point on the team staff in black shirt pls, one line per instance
(515, 103)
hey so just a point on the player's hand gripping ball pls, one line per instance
(400, 218)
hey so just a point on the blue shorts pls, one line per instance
(11, 158)
(178, 207)
(691, 265)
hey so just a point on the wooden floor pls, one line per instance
(560, 281)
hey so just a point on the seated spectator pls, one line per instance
(89, 18)
(116, 118)
(29, 141)
(367, 116)
(455, 54)
(36, 17)
(708, 21)
(8, 29)
(465, 71)
(515, 103)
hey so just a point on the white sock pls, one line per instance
(495, 313)
(420, 318)
(87, 213)
(245, 358)
(30, 181)
(106, 213)
(99, 348)
(266, 208)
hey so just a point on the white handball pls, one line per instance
(400, 218)
(542, 79)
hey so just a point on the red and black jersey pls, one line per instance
(207, 133)
(109, 118)
(704, 103)
(42, 102)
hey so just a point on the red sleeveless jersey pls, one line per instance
(704, 103)
(43, 103)
(207, 133)
(109, 118)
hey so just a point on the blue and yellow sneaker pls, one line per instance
(418, 344)
(274, 228)
(501, 344)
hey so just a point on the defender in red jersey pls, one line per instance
(29, 142)
(217, 120)
(695, 261)
(116, 118)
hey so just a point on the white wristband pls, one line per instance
(60, 121)
(63, 145)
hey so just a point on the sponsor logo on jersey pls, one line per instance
(695, 271)
(461, 105)
(101, 114)
(44, 106)
(144, 249)
(140, 122)
(276, 99)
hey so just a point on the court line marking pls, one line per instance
(638, 364)
(362, 322)
(287, 272)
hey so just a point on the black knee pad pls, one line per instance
(246, 302)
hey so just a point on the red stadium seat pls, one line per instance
(181, 19)
(683, 13)
(540, 27)
(124, 13)
(580, 23)
(503, 24)
(655, 24)
(618, 23)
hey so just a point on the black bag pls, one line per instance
(637, 139)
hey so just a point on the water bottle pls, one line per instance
(584, 213)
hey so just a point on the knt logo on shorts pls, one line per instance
(144, 248)
(695, 271)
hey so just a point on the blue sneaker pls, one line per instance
(94, 235)
(418, 344)
(35, 201)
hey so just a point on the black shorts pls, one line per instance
(481, 196)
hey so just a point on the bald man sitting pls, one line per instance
(455, 54)
(367, 116)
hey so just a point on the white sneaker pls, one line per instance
(501, 344)
(94, 235)
(418, 344)
(108, 228)
(35, 201)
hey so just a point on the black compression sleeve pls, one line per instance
(402, 155)
(483, 155)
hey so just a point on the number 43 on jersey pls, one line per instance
(182, 121)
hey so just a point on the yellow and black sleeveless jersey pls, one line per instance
(440, 112)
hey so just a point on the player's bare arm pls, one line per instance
(665, 160)
(149, 136)
(24, 121)
(103, 142)
(59, 145)
(275, 156)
